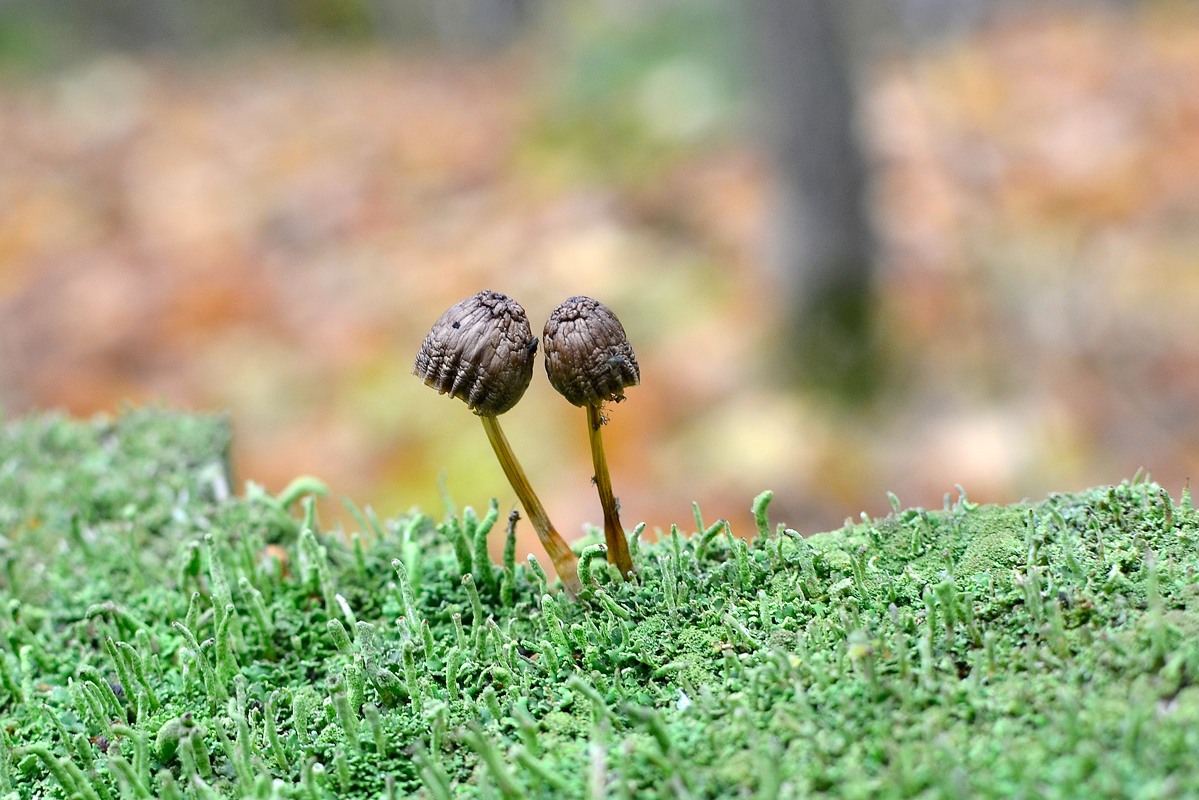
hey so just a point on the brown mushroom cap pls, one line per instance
(481, 351)
(588, 358)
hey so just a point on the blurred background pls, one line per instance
(858, 247)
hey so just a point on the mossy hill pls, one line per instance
(162, 637)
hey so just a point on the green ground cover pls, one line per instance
(163, 637)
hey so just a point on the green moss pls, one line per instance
(160, 636)
(989, 555)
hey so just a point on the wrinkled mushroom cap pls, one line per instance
(588, 358)
(481, 351)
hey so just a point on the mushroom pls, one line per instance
(589, 361)
(481, 351)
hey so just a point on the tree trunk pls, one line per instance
(822, 244)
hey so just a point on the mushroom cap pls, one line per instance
(481, 351)
(588, 357)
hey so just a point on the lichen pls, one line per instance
(1044, 649)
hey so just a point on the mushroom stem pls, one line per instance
(618, 546)
(563, 558)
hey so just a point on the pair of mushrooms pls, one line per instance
(481, 351)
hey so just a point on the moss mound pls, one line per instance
(160, 637)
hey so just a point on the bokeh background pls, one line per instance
(261, 206)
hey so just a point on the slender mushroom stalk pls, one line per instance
(481, 351)
(589, 361)
(565, 561)
(613, 530)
